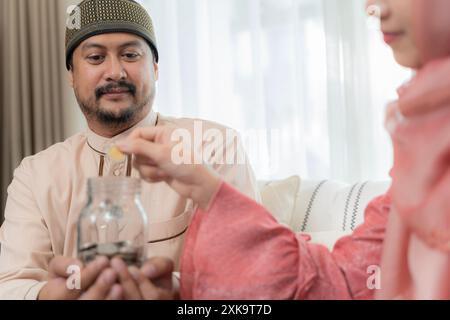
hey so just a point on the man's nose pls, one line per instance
(115, 71)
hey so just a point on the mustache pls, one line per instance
(131, 88)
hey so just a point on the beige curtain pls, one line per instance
(31, 84)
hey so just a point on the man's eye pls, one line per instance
(131, 56)
(96, 58)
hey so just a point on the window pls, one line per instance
(304, 81)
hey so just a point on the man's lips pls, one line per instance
(119, 90)
(391, 37)
(116, 94)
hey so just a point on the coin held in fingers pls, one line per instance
(115, 154)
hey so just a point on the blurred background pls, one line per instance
(305, 82)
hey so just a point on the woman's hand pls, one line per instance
(157, 160)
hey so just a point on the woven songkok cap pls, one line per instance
(94, 17)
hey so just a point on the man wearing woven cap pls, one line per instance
(111, 56)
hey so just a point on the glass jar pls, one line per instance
(113, 222)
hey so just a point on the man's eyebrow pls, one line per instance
(90, 45)
(133, 43)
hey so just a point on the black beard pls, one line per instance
(92, 110)
(111, 119)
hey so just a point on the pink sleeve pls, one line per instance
(237, 250)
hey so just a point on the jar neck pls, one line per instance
(113, 188)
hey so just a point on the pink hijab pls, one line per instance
(416, 256)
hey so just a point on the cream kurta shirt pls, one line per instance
(49, 191)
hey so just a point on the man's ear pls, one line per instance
(156, 67)
(70, 77)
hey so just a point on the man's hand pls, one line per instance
(97, 281)
(153, 281)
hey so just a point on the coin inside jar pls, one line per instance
(107, 249)
(128, 253)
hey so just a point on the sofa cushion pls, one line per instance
(280, 197)
(326, 210)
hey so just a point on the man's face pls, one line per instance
(113, 76)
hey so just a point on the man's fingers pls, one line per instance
(88, 276)
(129, 286)
(56, 289)
(60, 270)
(116, 293)
(59, 266)
(91, 272)
(157, 267)
(149, 290)
(102, 286)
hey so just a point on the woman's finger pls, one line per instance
(148, 133)
(152, 173)
(139, 160)
(146, 149)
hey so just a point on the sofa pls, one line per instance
(326, 210)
